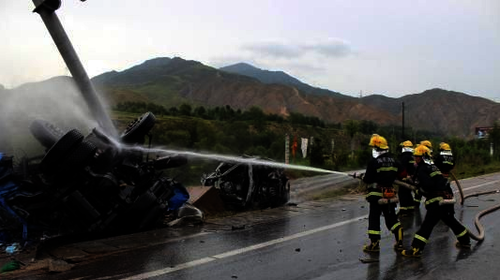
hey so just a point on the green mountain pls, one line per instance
(173, 81)
(165, 81)
(278, 77)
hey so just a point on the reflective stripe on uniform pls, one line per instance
(374, 194)
(437, 172)
(395, 226)
(462, 234)
(421, 238)
(436, 199)
(392, 168)
(375, 232)
(407, 208)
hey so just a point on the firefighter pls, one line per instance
(379, 176)
(444, 159)
(428, 144)
(439, 203)
(406, 202)
(418, 196)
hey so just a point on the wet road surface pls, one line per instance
(313, 240)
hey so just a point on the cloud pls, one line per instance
(331, 47)
(275, 49)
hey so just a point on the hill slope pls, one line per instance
(278, 77)
(173, 81)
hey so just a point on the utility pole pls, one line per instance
(403, 122)
(46, 9)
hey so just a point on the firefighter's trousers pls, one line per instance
(406, 202)
(391, 220)
(435, 213)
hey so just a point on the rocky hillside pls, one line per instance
(279, 77)
(173, 81)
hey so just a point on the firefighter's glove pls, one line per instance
(408, 180)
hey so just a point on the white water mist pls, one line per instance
(56, 100)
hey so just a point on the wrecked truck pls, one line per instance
(243, 185)
(84, 184)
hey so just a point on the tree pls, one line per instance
(494, 137)
(200, 112)
(185, 109)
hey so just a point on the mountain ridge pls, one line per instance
(278, 77)
(173, 81)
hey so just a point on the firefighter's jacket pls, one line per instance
(431, 182)
(444, 161)
(380, 174)
(407, 165)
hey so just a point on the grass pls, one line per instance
(467, 171)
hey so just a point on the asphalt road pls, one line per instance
(312, 240)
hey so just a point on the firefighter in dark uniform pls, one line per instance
(444, 159)
(406, 202)
(439, 203)
(380, 174)
(418, 195)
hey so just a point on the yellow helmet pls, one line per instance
(407, 144)
(421, 151)
(378, 141)
(426, 143)
(444, 146)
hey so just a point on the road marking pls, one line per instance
(482, 185)
(228, 254)
(235, 252)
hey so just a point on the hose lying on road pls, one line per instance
(479, 226)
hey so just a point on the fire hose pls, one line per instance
(477, 223)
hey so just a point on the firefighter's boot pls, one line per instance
(373, 247)
(413, 252)
(398, 246)
(463, 240)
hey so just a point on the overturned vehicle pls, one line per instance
(87, 184)
(243, 185)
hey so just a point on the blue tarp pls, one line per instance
(181, 195)
(8, 188)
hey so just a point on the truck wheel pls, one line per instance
(80, 156)
(137, 129)
(45, 132)
(57, 154)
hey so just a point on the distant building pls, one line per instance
(482, 131)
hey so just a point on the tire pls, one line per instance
(284, 193)
(57, 154)
(137, 129)
(80, 156)
(45, 132)
(286, 196)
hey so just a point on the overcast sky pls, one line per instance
(389, 47)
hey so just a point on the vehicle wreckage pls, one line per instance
(105, 182)
(242, 185)
(87, 184)
(94, 183)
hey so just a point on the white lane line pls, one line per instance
(205, 260)
(482, 185)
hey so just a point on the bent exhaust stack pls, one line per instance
(46, 9)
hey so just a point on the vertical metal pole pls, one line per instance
(74, 65)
